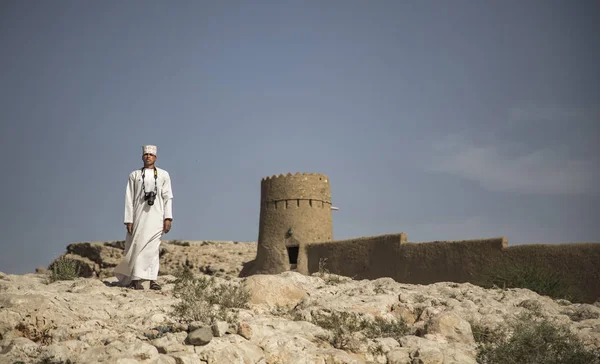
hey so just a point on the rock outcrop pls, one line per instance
(291, 318)
(222, 258)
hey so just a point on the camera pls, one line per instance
(150, 196)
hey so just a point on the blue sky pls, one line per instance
(442, 119)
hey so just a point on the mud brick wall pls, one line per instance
(475, 261)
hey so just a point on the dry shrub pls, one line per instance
(343, 324)
(531, 338)
(40, 335)
(204, 299)
(328, 277)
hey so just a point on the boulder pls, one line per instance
(273, 291)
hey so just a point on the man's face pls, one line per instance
(149, 159)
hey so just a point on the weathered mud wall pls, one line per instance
(479, 261)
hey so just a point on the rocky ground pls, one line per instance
(290, 318)
(220, 258)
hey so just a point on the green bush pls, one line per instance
(532, 339)
(64, 269)
(204, 299)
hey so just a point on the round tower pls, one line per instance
(293, 209)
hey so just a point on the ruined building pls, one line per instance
(296, 233)
(294, 210)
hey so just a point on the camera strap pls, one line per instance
(155, 180)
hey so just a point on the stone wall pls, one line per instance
(475, 261)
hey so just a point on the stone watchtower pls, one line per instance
(294, 209)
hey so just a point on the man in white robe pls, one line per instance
(146, 221)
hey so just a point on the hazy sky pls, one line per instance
(441, 119)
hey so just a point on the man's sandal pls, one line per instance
(137, 285)
(155, 286)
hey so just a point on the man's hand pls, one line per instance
(166, 225)
(129, 227)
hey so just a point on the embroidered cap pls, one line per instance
(150, 149)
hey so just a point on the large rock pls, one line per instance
(117, 350)
(103, 254)
(230, 349)
(273, 291)
(451, 327)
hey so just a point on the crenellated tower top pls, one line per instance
(299, 186)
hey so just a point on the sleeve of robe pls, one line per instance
(167, 195)
(128, 218)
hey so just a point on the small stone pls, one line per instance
(200, 337)
(220, 328)
(245, 331)
(399, 356)
(181, 327)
